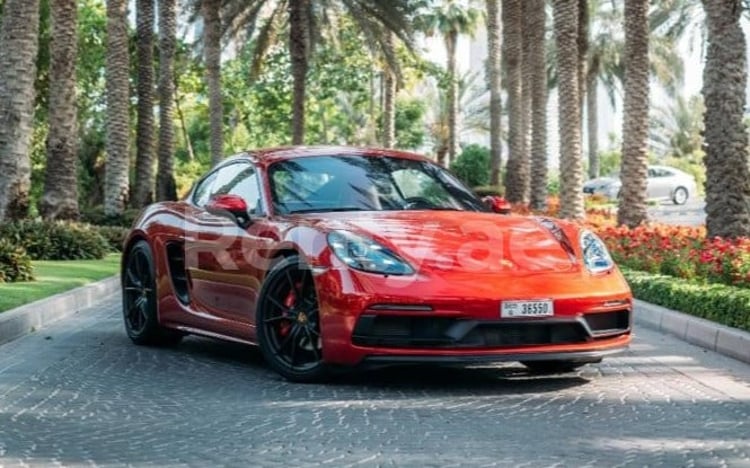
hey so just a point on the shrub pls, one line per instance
(115, 236)
(728, 305)
(15, 263)
(97, 217)
(472, 166)
(56, 240)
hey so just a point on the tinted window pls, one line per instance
(238, 179)
(203, 190)
(355, 183)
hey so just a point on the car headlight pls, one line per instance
(595, 254)
(367, 255)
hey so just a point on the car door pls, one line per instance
(221, 261)
(656, 183)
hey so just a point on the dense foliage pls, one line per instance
(724, 304)
(56, 240)
(15, 263)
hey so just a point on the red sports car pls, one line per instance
(336, 256)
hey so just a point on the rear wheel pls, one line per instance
(139, 300)
(680, 196)
(288, 322)
(554, 367)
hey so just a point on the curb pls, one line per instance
(695, 330)
(31, 317)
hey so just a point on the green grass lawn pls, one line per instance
(56, 277)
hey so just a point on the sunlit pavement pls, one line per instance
(690, 214)
(78, 393)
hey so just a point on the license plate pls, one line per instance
(539, 308)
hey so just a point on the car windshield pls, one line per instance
(362, 183)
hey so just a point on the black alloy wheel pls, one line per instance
(139, 300)
(288, 322)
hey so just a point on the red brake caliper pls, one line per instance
(286, 326)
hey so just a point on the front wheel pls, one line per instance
(288, 322)
(680, 196)
(554, 367)
(139, 300)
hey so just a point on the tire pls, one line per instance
(288, 322)
(139, 298)
(680, 196)
(554, 367)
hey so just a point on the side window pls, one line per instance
(238, 179)
(203, 191)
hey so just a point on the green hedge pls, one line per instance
(720, 303)
(56, 240)
(97, 217)
(115, 236)
(15, 263)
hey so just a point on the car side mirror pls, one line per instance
(232, 206)
(497, 204)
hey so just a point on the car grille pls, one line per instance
(436, 332)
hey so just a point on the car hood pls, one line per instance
(455, 241)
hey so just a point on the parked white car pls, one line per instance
(664, 183)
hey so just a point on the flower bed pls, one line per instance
(682, 252)
(678, 251)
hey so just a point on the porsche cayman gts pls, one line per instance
(330, 257)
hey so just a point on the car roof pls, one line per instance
(269, 155)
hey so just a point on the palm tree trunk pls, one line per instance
(583, 49)
(18, 50)
(389, 105)
(165, 184)
(513, 57)
(143, 191)
(496, 99)
(569, 114)
(212, 54)
(726, 138)
(592, 118)
(632, 209)
(299, 43)
(524, 162)
(60, 199)
(118, 96)
(538, 84)
(183, 124)
(451, 43)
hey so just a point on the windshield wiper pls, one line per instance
(329, 210)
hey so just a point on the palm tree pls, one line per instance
(569, 114)
(144, 136)
(516, 174)
(212, 56)
(535, 20)
(451, 20)
(676, 130)
(18, 50)
(632, 209)
(60, 199)
(307, 22)
(389, 97)
(118, 96)
(667, 24)
(726, 137)
(496, 99)
(165, 184)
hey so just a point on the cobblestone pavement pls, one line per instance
(78, 393)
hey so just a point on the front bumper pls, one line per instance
(365, 318)
(575, 356)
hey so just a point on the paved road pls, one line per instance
(690, 214)
(78, 393)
